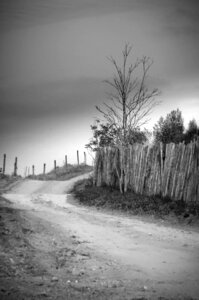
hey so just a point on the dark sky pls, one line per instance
(53, 59)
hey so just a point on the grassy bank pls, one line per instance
(64, 173)
(6, 181)
(131, 203)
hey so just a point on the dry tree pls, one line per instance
(131, 101)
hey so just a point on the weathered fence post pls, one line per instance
(44, 170)
(15, 167)
(25, 172)
(85, 158)
(4, 163)
(66, 160)
(55, 165)
(33, 170)
(78, 157)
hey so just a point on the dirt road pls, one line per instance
(81, 253)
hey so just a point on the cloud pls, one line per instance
(58, 97)
(23, 107)
(22, 13)
(183, 19)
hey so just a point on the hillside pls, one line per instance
(64, 172)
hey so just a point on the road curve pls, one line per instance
(164, 260)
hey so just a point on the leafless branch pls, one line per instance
(131, 101)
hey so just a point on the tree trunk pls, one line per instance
(122, 174)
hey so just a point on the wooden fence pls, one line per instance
(170, 170)
(27, 171)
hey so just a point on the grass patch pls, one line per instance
(106, 197)
(64, 173)
(6, 181)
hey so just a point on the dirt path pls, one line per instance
(87, 254)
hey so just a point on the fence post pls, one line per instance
(78, 157)
(4, 163)
(85, 158)
(25, 172)
(55, 165)
(33, 170)
(44, 170)
(66, 160)
(15, 167)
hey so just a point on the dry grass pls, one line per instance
(64, 173)
(6, 181)
(110, 198)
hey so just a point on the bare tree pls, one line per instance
(130, 101)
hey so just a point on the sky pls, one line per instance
(53, 60)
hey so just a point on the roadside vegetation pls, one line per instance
(6, 181)
(126, 110)
(64, 173)
(134, 204)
